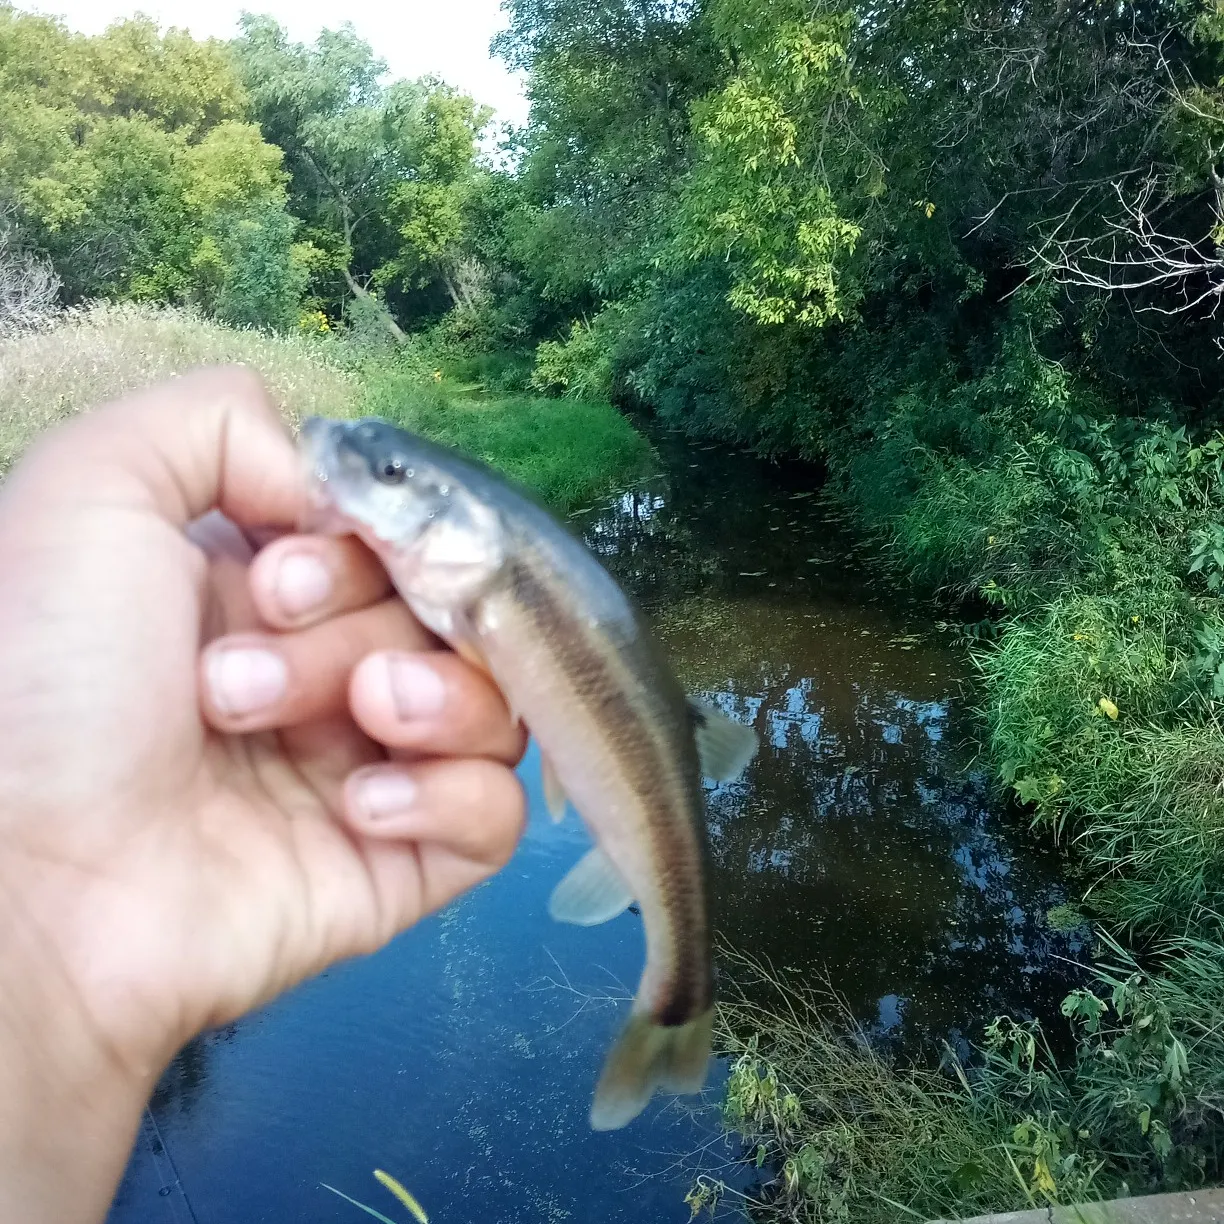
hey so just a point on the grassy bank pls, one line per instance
(567, 452)
(90, 356)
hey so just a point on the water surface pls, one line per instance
(863, 844)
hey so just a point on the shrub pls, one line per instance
(579, 367)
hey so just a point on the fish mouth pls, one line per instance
(317, 441)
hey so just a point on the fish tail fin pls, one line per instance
(646, 1057)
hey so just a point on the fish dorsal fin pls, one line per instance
(593, 892)
(554, 792)
(724, 746)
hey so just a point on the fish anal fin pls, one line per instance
(554, 792)
(647, 1058)
(724, 746)
(593, 892)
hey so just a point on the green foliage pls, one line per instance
(383, 174)
(758, 193)
(127, 159)
(566, 451)
(580, 367)
(853, 1137)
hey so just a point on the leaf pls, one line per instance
(1107, 707)
(1042, 1177)
(968, 1176)
(1028, 790)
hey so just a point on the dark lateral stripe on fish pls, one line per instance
(690, 989)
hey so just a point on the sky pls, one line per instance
(444, 38)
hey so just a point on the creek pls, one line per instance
(864, 845)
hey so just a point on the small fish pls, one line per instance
(507, 587)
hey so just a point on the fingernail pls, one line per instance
(303, 583)
(385, 796)
(246, 681)
(417, 691)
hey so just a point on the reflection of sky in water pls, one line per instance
(887, 868)
(859, 845)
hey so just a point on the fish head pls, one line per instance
(408, 500)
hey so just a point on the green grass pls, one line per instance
(568, 452)
(851, 1135)
(1140, 795)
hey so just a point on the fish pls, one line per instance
(500, 580)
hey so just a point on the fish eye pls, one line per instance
(392, 472)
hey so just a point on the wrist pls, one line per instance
(70, 1100)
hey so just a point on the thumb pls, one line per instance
(211, 440)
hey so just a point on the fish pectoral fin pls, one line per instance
(648, 1058)
(466, 648)
(724, 746)
(554, 792)
(593, 892)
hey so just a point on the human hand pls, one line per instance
(219, 771)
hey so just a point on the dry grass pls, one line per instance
(90, 356)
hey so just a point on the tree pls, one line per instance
(611, 85)
(127, 160)
(380, 172)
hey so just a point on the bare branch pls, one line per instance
(1135, 254)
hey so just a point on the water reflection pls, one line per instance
(862, 843)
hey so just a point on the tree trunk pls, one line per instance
(359, 291)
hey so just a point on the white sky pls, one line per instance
(445, 38)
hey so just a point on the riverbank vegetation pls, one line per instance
(566, 452)
(967, 256)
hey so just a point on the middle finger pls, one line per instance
(268, 681)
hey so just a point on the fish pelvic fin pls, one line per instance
(724, 746)
(593, 892)
(649, 1057)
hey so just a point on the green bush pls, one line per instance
(579, 367)
(566, 451)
